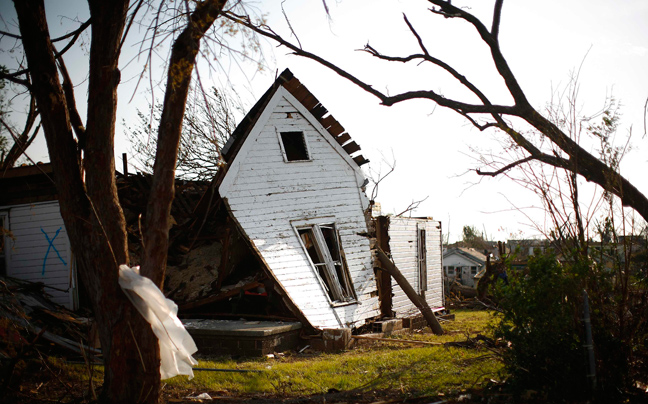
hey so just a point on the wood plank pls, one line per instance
(343, 138)
(220, 296)
(318, 111)
(309, 101)
(360, 160)
(292, 85)
(300, 93)
(335, 129)
(328, 121)
(351, 147)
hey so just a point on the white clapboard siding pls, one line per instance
(403, 245)
(265, 194)
(27, 248)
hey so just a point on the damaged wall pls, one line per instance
(37, 249)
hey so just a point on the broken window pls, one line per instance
(422, 260)
(322, 243)
(294, 146)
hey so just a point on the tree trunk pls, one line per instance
(419, 302)
(181, 65)
(90, 208)
(97, 237)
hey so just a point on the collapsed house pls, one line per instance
(284, 234)
(293, 192)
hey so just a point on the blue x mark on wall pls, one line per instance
(50, 246)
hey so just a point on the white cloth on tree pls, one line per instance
(176, 345)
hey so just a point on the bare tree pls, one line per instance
(82, 157)
(208, 122)
(556, 148)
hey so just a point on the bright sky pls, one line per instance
(542, 41)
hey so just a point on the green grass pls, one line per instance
(407, 368)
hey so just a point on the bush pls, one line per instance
(542, 321)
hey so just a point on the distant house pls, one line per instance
(524, 248)
(462, 264)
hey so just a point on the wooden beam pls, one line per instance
(419, 302)
(220, 296)
(402, 341)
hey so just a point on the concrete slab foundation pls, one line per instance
(240, 337)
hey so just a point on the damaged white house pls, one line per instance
(284, 231)
(294, 187)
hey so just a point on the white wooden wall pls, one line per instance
(403, 245)
(26, 251)
(269, 197)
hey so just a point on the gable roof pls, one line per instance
(469, 253)
(308, 100)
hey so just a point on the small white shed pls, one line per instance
(415, 245)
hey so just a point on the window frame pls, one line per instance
(284, 153)
(338, 292)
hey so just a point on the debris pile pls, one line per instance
(211, 270)
(30, 323)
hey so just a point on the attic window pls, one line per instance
(294, 146)
(322, 243)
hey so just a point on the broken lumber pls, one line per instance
(388, 266)
(404, 341)
(221, 296)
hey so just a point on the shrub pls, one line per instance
(542, 321)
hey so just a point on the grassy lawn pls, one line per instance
(383, 370)
(405, 368)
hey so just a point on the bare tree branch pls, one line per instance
(22, 141)
(385, 99)
(413, 205)
(283, 11)
(75, 118)
(13, 77)
(497, 14)
(505, 168)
